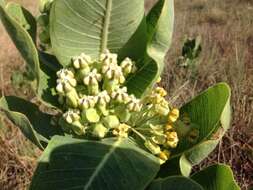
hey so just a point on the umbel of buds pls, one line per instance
(98, 105)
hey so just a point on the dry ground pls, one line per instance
(226, 28)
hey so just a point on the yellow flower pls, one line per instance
(161, 91)
(164, 155)
(173, 115)
(168, 127)
(172, 139)
(121, 130)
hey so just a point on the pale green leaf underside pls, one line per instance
(19, 33)
(175, 183)
(69, 163)
(216, 177)
(91, 26)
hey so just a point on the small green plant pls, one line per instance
(107, 123)
(190, 53)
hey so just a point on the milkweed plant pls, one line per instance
(101, 117)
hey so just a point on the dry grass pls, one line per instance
(226, 28)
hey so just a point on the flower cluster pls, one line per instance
(97, 104)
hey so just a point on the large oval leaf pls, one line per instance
(19, 24)
(69, 163)
(160, 24)
(175, 183)
(34, 124)
(209, 115)
(91, 26)
(216, 177)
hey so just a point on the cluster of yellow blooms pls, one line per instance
(97, 104)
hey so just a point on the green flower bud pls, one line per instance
(159, 139)
(91, 115)
(99, 130)
(78, 128)
(110, 85)
(72, 99)
(152, 147)
(111, 121)
(122, 113)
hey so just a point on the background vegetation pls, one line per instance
(226, 30)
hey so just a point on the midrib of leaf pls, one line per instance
(102, 163)
(105, 30)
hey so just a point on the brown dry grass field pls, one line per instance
(226, 29)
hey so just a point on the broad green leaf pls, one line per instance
(135, 48)
(175, 183)
(34, 124)
(216, 177)
(209, 118)
(205, 113)
(91, 26)
(160, 22)
(18, 28)
(69, 163)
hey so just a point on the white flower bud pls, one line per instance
(103, 98)
(108, 58)
(63, 73)
(121, 95)
(92, 78)
(81, 62)
(88, 102)
(66, 81)
(71, 116)
(134, 104)
(127, 66)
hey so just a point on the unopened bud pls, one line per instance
(111, 121)
(152, 147)
(99, 130)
